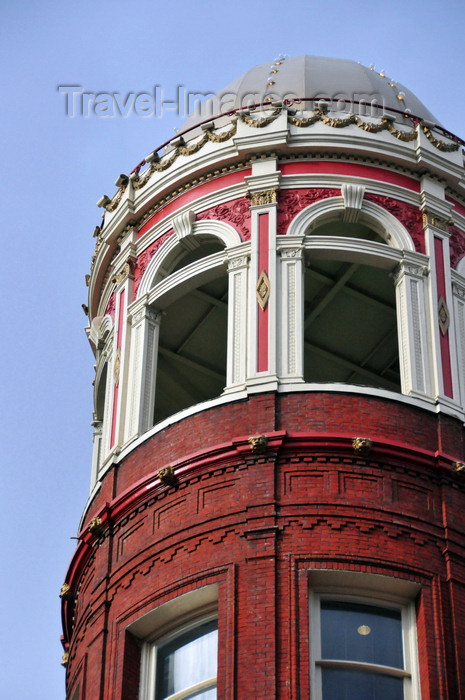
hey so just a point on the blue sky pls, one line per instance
(53, 170)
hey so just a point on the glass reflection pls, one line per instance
(188, 660)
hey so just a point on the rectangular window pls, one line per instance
(363, 646)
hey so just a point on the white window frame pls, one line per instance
(149, 665)
(366, 589)
(165, 623)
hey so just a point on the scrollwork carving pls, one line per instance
(408, 215)
(457, 245)
(235, 212)
(291, 202)
(144, 259)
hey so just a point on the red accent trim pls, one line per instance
(443, 339)
(263, 317)
(218, 183)
(460, 208)
(339, 443)
(338, 168)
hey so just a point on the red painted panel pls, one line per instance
(460, 208)
(443, 339)
(354, 169)
(218, 183)
(263, 319)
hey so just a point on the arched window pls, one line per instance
(191, 364)
(350, 323)
(192, 348)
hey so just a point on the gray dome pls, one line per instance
(333, 79)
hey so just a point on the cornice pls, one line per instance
(243, 448)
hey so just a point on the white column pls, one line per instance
(96, 451)
(236, 371)
(413, 328)
(290, 312)
(458, 290)
(109, 394)
(142, 370)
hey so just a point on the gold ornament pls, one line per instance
(258, 443)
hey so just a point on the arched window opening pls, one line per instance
(347, 230)
(100, 394)
(350, 321)
(192, 249)
(192, 349)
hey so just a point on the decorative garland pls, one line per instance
(180, 148)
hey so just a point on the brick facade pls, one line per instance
(257, 523)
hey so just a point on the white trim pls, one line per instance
(366, 589)
(374, 216)
(165, 623)
(224, 232)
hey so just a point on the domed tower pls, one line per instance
(277, 312)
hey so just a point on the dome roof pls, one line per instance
(344, 82)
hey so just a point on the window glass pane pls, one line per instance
(187, 660)
(342, 684)
(366, 633)
(204, 695)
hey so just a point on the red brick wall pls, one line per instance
(256, 523)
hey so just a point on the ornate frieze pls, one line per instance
(178, 147)
(458, 290)
(290, 253)
(235, 212)
(457, 245)
(408, 215)
(144, 259)
(291, 202)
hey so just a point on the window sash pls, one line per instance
(150, 687)
(408, 620)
